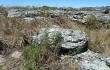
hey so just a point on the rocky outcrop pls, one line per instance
(88, 56)
(15, 13)
(71, 39)
(94, 65)
(92, 61)
(89, 61)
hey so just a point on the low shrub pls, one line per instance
(36, 54)
(92, 23)
(43, 14)
(107, 24)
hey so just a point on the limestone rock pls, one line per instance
(108, 61)
(72, 39)
(16, 54)
(88, 56)
(94, 65)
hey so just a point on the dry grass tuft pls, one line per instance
(15, 32)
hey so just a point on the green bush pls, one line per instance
(107, 24)
(57, 37)
(45, 8)
(92, 22)
(43, 14)
(36, 54)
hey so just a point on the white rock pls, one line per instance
(71, 38)
(94, 65)
(16, 54)
(108, 61)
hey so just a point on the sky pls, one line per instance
(56, 3)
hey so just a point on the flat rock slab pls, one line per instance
(94, 65)
(92, 61)
(88, 60)
(71, 38)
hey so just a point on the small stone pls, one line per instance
(16, 54)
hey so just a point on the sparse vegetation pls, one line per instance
(93, 44)
(92, 22)
(43, 14)
(107, 24)
(38, 54)
(15, 34)
(3, 11)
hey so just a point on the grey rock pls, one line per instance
(28, 19)
(92, 61)
(108, 61)
(31, 14)
(102, 17)
(72, 39)
(15, 13)
(89, 56)
(94, 65)
(88, 60)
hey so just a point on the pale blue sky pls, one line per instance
(57, 3)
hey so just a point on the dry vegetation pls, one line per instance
(15, 34)
(99, 35)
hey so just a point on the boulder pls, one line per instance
(108, 61)
(92, 61)
(15, 13)
(102, 17)
(88, 56)
(94, 65)
(71, 39)
(88, 60)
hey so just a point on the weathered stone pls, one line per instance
(89, 56)
(94, 65)
(88, 61)
(108, 61)
(15, 13)
(16, 54)
(28, 19)
(71, 39)
(91, 61)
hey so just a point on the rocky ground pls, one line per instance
(82, 48)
